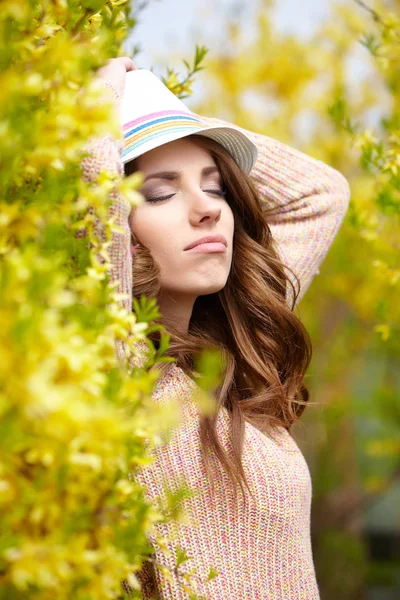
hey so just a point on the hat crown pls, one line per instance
(145, 94)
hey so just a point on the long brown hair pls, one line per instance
(265, 348)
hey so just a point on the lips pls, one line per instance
(209, 239)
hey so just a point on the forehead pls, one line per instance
(175, 155)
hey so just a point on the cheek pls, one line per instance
(230, 220)
(154, 229)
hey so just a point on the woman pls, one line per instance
(249, 515)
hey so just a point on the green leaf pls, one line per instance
(212, 573)
(181, 556)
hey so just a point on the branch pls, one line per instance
(372, 12)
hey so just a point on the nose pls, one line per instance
(204, 208)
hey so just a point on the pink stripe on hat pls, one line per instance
(160, 113)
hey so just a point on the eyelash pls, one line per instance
(159, 198)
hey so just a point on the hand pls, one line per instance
(115, 70)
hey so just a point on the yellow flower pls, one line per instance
(384, 330)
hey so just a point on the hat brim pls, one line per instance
(239, 146)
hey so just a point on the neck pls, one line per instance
(176, 310)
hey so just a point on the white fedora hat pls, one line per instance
(151, 115)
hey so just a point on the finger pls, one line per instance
(134, 67)
(128, 63)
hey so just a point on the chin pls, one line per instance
(210, 287)
(196, 285)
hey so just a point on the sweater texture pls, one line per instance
(260, 547)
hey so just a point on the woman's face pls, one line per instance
(185, 184)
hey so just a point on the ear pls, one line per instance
(133, 248)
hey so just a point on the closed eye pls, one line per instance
(160, 198)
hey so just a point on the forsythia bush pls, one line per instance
(73, 421)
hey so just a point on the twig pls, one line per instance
(373, 12)
(375, 15)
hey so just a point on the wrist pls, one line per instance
(116, 95)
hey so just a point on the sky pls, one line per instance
(180, 24)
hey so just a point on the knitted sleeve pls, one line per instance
(104, 154)
(305, 202)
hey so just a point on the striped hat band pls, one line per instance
(156, 125)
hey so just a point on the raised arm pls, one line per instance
(305, 202)
(104, 154)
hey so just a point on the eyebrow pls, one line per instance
(172, 175)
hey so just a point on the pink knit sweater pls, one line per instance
(261, 548)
